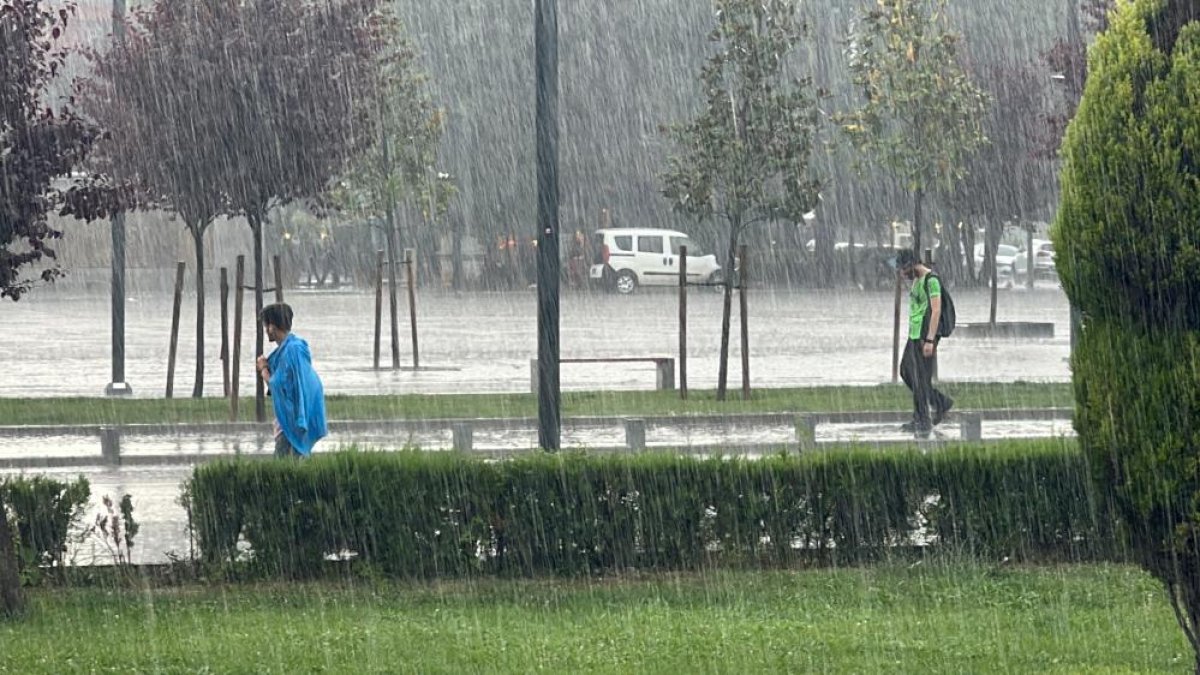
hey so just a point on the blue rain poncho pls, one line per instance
(297, 394)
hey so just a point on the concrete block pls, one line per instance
(806, 432)
(635, 434)
(664, 374)
(463, 436)
(1006, 329)
(110, 445)
(972, 426)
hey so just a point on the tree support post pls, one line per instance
(410, 261)
(743, 282)
(378, 304)
(683, 388)
(278, 267)
(175, 309)
(225, 329)
(239, 287)
(896, 330)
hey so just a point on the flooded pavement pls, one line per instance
(483, 342)
(682, 435)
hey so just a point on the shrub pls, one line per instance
(440, 514)
(1129, 256)
(43, 511)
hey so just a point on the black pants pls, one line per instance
(284, 449)
(917, 372)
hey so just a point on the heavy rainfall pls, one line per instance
(725, 336)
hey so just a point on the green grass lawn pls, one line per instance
(970, 619)
(813, 399)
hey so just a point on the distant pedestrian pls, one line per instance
(920, 354)
(296, 392)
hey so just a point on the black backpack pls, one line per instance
(946, 319)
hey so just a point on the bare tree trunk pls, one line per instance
(260, 394)
(995, 290)
(11, 602)
(456, 261)
(198, 238)
(727, 308)
(1030, 258)
(824, 245)
(968, 237)
(991, 270)
(1186, 604)
(393, 252)
(853, 260)
(918, 202)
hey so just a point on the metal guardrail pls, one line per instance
(463, 430)
(517, 423)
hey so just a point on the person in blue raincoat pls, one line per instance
(296, 391)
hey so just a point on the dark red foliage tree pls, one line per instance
(155, 93)
(219, 107)
(297, 103)
(41, 142)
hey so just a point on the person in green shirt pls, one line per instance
(916, 368)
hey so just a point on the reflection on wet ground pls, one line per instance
(482, 342)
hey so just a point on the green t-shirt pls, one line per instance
(918, 305)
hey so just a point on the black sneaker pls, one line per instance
(922, 433)
(908, 427)
(939, 415)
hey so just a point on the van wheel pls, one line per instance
(626, 282)
(716, 281)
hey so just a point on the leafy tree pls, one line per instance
(745, 158)
(1006, 179)
(154, 94)
(922, 116)
(401, 165)
(42, 141)
(1126, 235)
(1067, 60)
(295, 100)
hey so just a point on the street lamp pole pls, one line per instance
(118, 386)
(546, 66)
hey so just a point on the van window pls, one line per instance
(624, 243)
(650, 244)
(692, 247)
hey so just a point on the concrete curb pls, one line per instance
(218, 429)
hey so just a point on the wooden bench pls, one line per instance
(664, 368)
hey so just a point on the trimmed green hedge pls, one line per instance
(43, 511)
(418, 514)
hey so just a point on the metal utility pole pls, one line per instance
(118, 386)
(546, 66)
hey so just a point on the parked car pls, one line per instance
(1043, 262)
(811, 246)
(627, 258)
(1005, 256)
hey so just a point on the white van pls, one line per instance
(626, 258)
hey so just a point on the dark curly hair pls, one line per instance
(278, 315)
